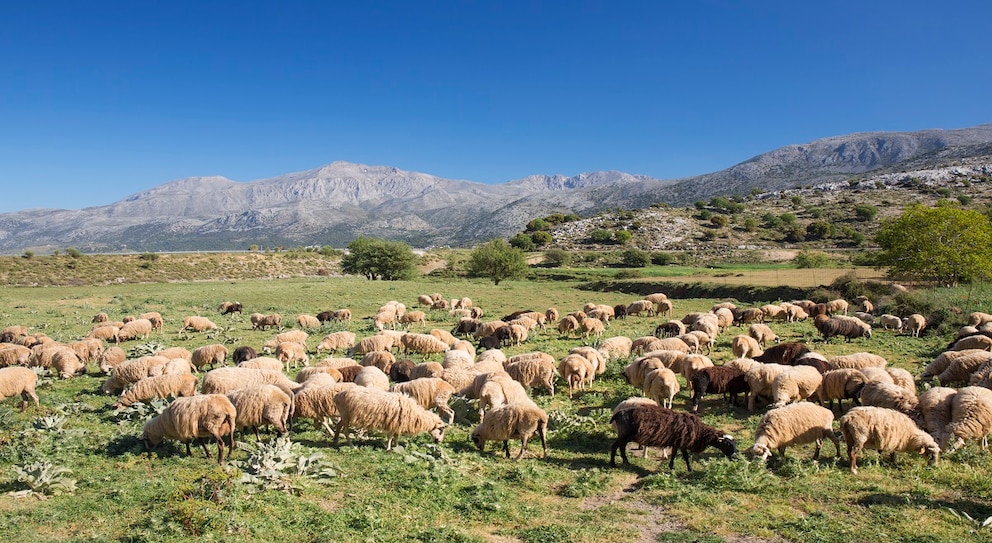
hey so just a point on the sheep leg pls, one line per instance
(506, 447)
(542, 431)
(188, 452)
(447, 411)
(523, 447)
(220, 448)
(620, 443)
(204, 445)
(816, 452)
(852, 454)
(685, 456)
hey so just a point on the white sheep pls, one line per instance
(593, 356)
(262, 363)
(977, 341)
(393, 414)
(316, 402)
(175, 352)
(743, 364)
(138, 328)
(640, 306)
(944, 360)
(934, 408)
(18, 381)
(575, 370)
(306, 374)
(198, 324)
(971, 418)
(661, 385)
(914, 324)
(215, 355)
(978, 318)
(760, 379)
(296, 336)
(372, 377)
(495, 389)
(87, 349)
(840, 384)
(762, 333)
(533, 369)
(336, 341)
(795, 424)
(512, 421)
(885, 430)
(229, 379)
(307, 321)
(857, 361)
(111, 357)
(890, 396)
(795, 384)
(290, 352)
(372, 343)
(890, 322)
(259, 405)
(429, 393)
(160, 386)
(131, 371)
(960, 369)
(615, 347)
(427, 369)
(191, 417)
(423, 344)
(745, 347)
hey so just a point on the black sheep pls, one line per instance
(326, 316)
(619, 311)
(718, 380)
(516, 314)
(668, 329)
(242, 354)
(656, 426)
(399, 372)
(844, 327)
(783, 353)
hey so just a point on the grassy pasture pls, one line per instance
(453, 492)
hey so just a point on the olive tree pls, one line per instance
(380, 259)
(497, 260)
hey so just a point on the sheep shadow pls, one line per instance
(125, 444)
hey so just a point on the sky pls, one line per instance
(100, 100)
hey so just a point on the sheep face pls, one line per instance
(760, 451)
(727, 445)
(479, 441)
(932, 452)
(438, 432)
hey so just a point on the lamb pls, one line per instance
(111, 358)
(243, 353)
(837, 306)
(161, 386)
(261, 322)
(575, 370)
(857, 361)
(840, 384)
(429, 393)
(783, 353)
(291, 352)
(195, 416)
(971, 417)
(718, 380)
(131, 371)
(615, 347)
(885, 430)
(198, 324)
(594, 358)
(890, 322)
(763, 334)
(534, 370)
(591, 326)
(848, 328)
(215, 355)
(671, 328)
(424, 344)
(394, 414)
(745, 347)
(226, 308)
(228, 379)
(18, 380)
(889, 396)
(934, 410)
(656, 426)
(261, 404)
(138, 328)
(307, 321)
(567, 325)
(372, 343)
(640, 306)
(760, 379)
(793, 385)
(661, 385)
(511, 421)
(795, 424)
(914, 324)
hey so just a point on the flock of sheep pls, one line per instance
(362, 384)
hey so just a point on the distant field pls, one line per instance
(454, 492)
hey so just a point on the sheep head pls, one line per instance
(727, 445)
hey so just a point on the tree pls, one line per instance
(945, 244)
(623, 237)
(523, 242)
(538, 224)
(865, 212)
(635, 258)
(497, 261)
(819, 230)
(600, 235)
(557, 258)
(380, 259)
(541, 238)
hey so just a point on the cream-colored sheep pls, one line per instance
(444, 336)
(372, 343)
(414, 317)
(840, 384)
(161, 386)
(795, 424)
(18, 381)
(637, 307)
(263, 363)
(307, 322)
(383, 361)
(760, 379)
(457, 358)
(857, 361)
(316, 402)
(372, 377)
(691, 363)
(496, 389)
(661, 385)
(959, 369)
(131, 371)
(890, 396)
(331, 362)
(971, 418)
(885, 430)
(615, 347)
(424, 344)
(902, 378)
(978, 341)
(914, 324)
(111, 357)
(136, 329)
(198, 324)
(463, 345)
(944, 359)
(429, 393)
(100, 317)
(575, 370)
(296, 336)
(306, 374)
(14, 355)
(229, 379)
(105, 333)
(393, 414)
(512, 421)
(427, 369)
(878, 375)
(934, 408)
(261, 322)
(593, 356)
(793, 385)
(978, 318)
(260, 405)
(551, 314)
(215, 355)
(292, 353)
(336, 341)
(762, 333)
(743, 364)
(87, 349)
(745, 347)
(890, 322)
(207, 415)
(636, 371)
(837, 306)
(533, 369)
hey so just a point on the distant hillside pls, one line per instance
(333, 204)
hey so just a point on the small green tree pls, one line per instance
(380, 259)
(497, 260)
(541, 238)
(557, 258)
(945, 244)
(623, 237)
(661, 259)
(538, 224)
(523, 242)
(819, 230)
(600, 235)
(73, 252)
(865, 212)
(635, 258)
(719, 221)
(750, 224)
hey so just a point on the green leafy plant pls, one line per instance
(144, 349)
(51, 423)
(274, 464)
(44, 479)
(140, 411)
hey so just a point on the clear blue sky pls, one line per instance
(99, 100)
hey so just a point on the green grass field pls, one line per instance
(452, 492)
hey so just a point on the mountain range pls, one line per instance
(334, 204)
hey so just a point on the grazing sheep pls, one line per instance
(190, 417)
(161, 386)
(696, 339)
(934, 408)
(866, 318)
(815, 360)
(885, 430)
(760, 379)
(640, 306)
(636, 371)
(426, 369)
(307, 322)
(748, 316)
(383, 361)
(889, 396)
(656, 426)
(512, 421)
(424, 344)
(215, 355)
(763, 334)
(393, 414)
(944, 359)
(296, 336)
(87, 349)
(290, 352)
(315, 402)
(153, 317)
(262, 363)
(567, 325)
(615, 347)
(533, 369)
(783, 353)
(261, 322)
(14, 355)
(692, 363)
(661, 385)
(414, 317)
(671, 328)
(978, 318)
(138, 328)
(100, 317)
(795, 424)
(306, 374)
(110, 358)
(229, 379)
(971, 418)
(591, 326)
(226, 308)
(890, 322)
(372, 377)
(593, 356)
(743, 364)
(259, 405)
(667, 344)
(745, 347)
(198, 324)
(914, 324)
(372, 343)
(336, 341)
(840, 384)
(960, 369)
(242, 354)
(575, 370)
(18, 381)
(105, 333)
(718, 380)
(348, 373)
(977, 341)
(429, 393)
(857, 361)
(131, 371)
(848, 328)
(902, 378)
(773, 312)
(795, 384)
